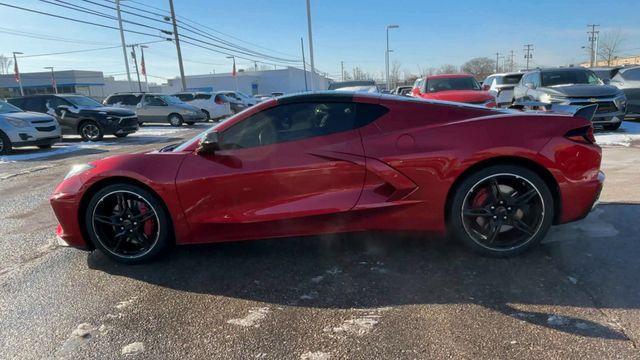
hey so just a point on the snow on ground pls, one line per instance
(58, 149)
(628, 132)
(159, 130)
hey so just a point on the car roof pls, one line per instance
(443, 76)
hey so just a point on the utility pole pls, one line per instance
(342, 70)
(53, 79)
(144, 66)
(593, 38)
(124, 46)
(234, 73)
(511, 64)
(528, 48)
(386, 54)
(255, 66)
(135, 61)
(497, 62)
(17, 71)
(177, 40)
(313, 67)
(304, 65)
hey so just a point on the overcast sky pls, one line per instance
(431, 33)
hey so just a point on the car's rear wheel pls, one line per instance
(611, 127)
(128, 223)
(90, 131)
(5, 144)
(501, 211)
(206, 114)
(175, 120)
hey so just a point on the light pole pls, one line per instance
(313, 67)
(144, 66)
(233, 73)
(135, 61)
(124, 47)
(386, 53)
(53, 79)
(17, 72)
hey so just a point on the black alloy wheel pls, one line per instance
(127, 223)
(90, 131)
(502, 211)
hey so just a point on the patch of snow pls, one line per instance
(317, 279)
(59, 149)
(255, 316)
(557, 320)
(572, 279)
(624, 136)
(132, 349)
(123, 304)
(582, 326)
(317, 355)
(310, 296)
(334, 271)
(358, 326)
(83, 330)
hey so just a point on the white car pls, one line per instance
(245, 99)
(214, 106)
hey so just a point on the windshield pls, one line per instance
(456, 83)
(509, 79)
(8, 108)
(82, 101)
(569, 77)
(170, 99)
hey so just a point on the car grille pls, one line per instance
(603, 106)
(129, 121)
(46, 128)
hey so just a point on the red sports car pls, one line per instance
(452, 87)
(340, 162)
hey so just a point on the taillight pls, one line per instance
(583, 135)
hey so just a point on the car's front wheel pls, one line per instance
(175, 120)
(5, 144)
(501, 211)
(90, 131)
(612, 127)
(128, 223)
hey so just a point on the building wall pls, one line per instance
(88, 83)
(621, 61)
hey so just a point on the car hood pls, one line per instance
(466, 96)
(581, 90)
(108, 110)
(28, 115)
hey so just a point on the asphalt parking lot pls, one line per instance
(395, 296)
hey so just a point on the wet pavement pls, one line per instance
(355, 296)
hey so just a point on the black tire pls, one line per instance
(612, 127)
(90, 131)
(206, 113)
(190, 123)
(45, 146)
(5, 144)
(129, 249)
(175, 120)
(121, 135)
(502, 225)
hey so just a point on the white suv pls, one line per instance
(214, 106)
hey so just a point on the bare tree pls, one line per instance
(480, 67)
(609, 46)
(394, 73)
(448, 69)
(5, 64)
(359, 74)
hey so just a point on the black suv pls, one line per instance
(82, 115)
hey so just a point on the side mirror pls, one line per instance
(139, 105)
(486, 87)
(529, 85)
(209, 143)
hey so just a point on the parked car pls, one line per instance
(500, 86)
(574, 86)
(157, 108)
(402, 90)
(627, 79)
(19, 128)
(78, 114)
(214, 106)
(237, 103)
(452, 87)
(262, 97)
(362, 86)
(331, 162)
(241, 97)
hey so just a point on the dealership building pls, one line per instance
(96, 85)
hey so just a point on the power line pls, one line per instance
(48, 37)
(240, 57)
(126, 12)
(83, 50)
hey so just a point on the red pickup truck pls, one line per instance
(452, 87)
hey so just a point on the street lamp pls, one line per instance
(144, 66)
(233, 73)
(53, 79)
(386, 53)
(17, 72)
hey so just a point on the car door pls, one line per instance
(63, 112)
(152, 109)
(280, 172)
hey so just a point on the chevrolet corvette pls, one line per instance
(331, 162)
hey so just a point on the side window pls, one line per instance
(632, 75)
(535, 79)
(114, 99)
(525, 79)
(202, 96)
(51, 103)
(34, 104)
(290, 122)
(132, 100)
(184, 97)
(151, 100)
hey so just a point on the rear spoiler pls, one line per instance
(586, 112)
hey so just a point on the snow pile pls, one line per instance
(628, 132)
(59, 149)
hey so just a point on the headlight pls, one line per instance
(621, 101)
(17, 122)
(78, 169)
(554, 99)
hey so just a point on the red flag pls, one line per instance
(16, 73)
(143, 68)
(233, 73)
